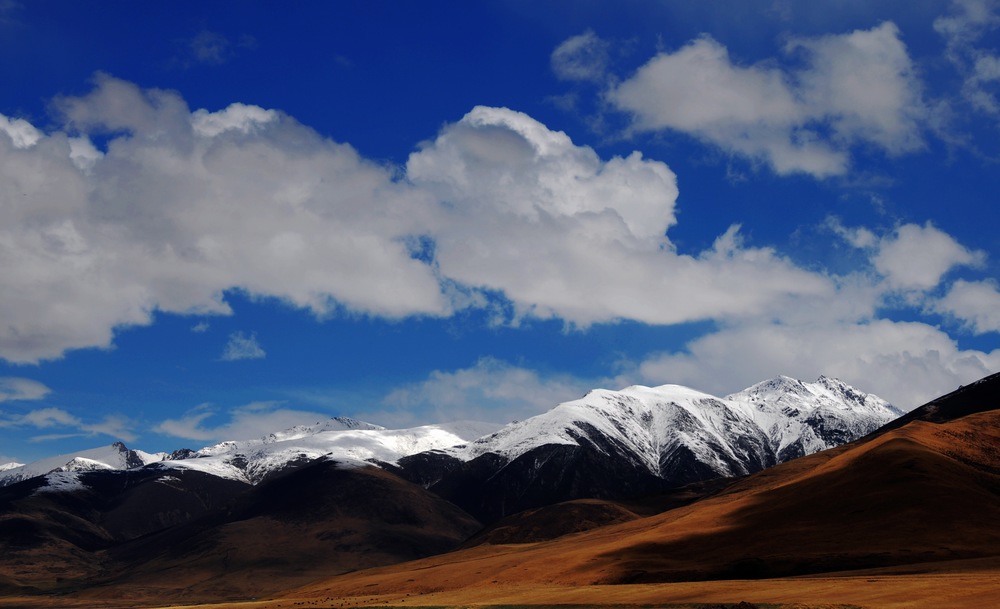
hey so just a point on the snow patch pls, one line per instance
(61, 482)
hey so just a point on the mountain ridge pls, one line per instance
(730, 436)
(918, 499)
(121, 529)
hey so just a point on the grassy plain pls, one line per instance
(965, 585)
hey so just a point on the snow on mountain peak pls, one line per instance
(340, 439)
(642, 424)
(665, 429)
(802, 418)
(332, 424)
(114, 456)
(769, 422)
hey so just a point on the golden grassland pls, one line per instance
(962, 585)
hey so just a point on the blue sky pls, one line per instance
(222, 219)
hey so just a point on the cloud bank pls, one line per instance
(135, 204)
(180, 206)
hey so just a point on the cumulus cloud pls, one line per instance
(975, 303)
(917, 257)
(182, 206)
(562, 233)
(242, 346)
(244, 422)
(855, 88)
(911, 258)
(13, 388)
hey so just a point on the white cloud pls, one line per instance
(114, 425)
(865, 85)
(562, 233)
(236, 117)
(859, 86)
(903, 362)
(583, 57)
(188, 426)
(44, 418)
(912, 258)
(13, 388)
(917, 257)
(245, 422)
(976, 303)
(842, 335)
(242, 346)
(964, 31)
(182, 206)
(859, 237)
(22, 134)
(491, 390)
(200, 327)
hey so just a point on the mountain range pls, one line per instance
(246, 518)
(784, 478)
(621, 444)
(672, 432)
(904, 517)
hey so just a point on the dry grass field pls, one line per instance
(961, 586)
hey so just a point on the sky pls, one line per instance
(223, 219)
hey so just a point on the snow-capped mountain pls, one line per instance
(634, 437)
(770, 422)
(803, 418)
(113, 457)
(614, 444)
(339, 439)
(647, 426)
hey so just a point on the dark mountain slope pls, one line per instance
(320, 519)
(53, 529)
